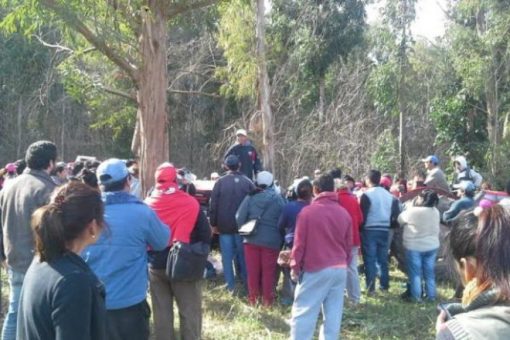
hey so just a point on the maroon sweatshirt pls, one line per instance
(323, 236)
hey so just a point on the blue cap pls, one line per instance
(432, 159)
(231, 160)
(111, 171)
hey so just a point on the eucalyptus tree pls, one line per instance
(132, 35)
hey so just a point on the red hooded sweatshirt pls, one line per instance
(351, 204)
(176, 208)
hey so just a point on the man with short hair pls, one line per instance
(245, 151)
(320, 256)
(119, 257)
(380, 210)
(27, 192)
(435, 176)
(466, 192)
(227, 195)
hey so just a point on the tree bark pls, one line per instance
(264, 91)
(151, 94)
(322, 97)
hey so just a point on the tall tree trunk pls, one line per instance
(322, 97)
(264, 91)
(19, 127)
(151, 94)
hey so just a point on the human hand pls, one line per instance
(215, 230)
(441, 321)
(294, 276)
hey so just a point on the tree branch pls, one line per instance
(55, 46)
(73, 21)
(194, 93)
(176, 9)
(119, 93)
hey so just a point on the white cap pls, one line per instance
(241, 132)
(265, 178)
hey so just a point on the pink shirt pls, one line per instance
(323, 236)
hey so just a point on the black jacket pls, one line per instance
(227, 195)
(61, 300)
(250, 162)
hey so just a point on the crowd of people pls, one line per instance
(84, 246)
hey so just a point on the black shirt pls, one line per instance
(62, 299)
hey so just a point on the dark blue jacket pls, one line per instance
(287, 221)
(250, 162)
(62, 299)
(228, 193)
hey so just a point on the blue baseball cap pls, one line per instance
(432, 159)
(111, 171)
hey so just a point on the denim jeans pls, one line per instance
(325, 289)
(420, 265)
(11, 319)
(375, 250)
(231, 247)
(352, 285)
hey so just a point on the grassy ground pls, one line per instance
(384, 316)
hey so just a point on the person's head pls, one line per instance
(88, 176)
(460, 163)
(336, 173)
(133, 169)
(373, 178)
(466, 188)
(317, 173)
(430, 162)
(21, 165)
(41, 155)
(10, 168)
(77, 167)
(113, 175)
(214, 176)
(349, 181)
(242, 136)
(428, 198)
(386, 181)
(72, 221)
(232, 162)
(481, 249)
(264, 179)
(61, 170)
(304, 190)
(325, 183)
(166, 177)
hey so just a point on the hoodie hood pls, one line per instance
(166, 177)
(462, 161)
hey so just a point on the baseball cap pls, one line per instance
(231, 160)
(111, 171)
(431, 158)
(265, 178)
(10, 167)
(241, 132)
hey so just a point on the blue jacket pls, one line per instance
(267, 234)
(287, 221)
(119, 257)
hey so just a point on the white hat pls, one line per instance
(241, 132)
(265, 178)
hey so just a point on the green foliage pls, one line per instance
(236, 36)
(385, 158)
(460, 126)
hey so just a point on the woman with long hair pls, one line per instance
(61, 297)
(481, 250)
